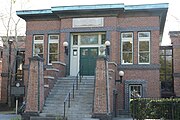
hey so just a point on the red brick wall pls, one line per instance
(100, 98)
(137, 21)
(176, 61)
(152, 78)
(43, 25)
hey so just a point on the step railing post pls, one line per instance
(69, 100)
(73, 90)
(64, 109)
(77, 82)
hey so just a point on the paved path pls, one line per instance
(8, 116)
(122, 119)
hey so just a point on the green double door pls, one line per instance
(88, 58)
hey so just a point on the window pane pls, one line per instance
(103, 39)
(89, 39)
(168, 52)
(53, 48)
(143, 45)
(144, 34)
(127, 58)
(75, 39)
(40, 47)
(53, 57)
(126, 35)
(54, 37)
(127, 46)
(38, 37)
(144, 57)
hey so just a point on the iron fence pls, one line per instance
(147, 108)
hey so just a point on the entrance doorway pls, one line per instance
(88, 58)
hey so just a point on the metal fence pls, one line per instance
(146, 108)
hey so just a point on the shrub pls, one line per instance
(147, 108)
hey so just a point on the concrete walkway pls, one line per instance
(122, 118)
(9, 117)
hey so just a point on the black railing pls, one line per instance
(150, 108)
(72, 90)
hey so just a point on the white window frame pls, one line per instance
(129, 39)
(143, 39)
(52, 41)
(136, 94)
(38, 42)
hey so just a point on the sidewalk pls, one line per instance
(122, 118)
(9, 117)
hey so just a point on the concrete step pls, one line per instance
(80, 106)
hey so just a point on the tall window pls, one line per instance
(144, 47)
(53, 48)
(127, 48)
(38, 45)
(166, 70)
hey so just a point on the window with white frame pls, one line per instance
(127, 48)
(38, 46)
(135, 91)
(144, 47)
(53, 48)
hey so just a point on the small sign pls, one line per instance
(18, 91)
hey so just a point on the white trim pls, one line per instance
(38, 42)
(53, 41)
(140, 39)
(54, 69)
(46, 86)
(58, 62)
(48, 77)
(131, 40)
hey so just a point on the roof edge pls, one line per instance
(87, 7)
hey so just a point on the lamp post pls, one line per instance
(121, 74)
(65, 44)
(107, 43)
(10, 41)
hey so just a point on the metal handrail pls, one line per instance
(68, 96)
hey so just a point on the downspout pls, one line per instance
(107, 88)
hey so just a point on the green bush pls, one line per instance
(148, 108)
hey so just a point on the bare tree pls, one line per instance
(10, 23)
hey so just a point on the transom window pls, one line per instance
(38, 45)
(89, 39)
(127, 48)
(144, 47)
(53, 48)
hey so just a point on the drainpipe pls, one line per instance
(107, 89)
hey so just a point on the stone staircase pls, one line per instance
(80, 106)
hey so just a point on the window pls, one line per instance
(144, 47)
(103, 38)
(38, 45)
(166, 70)
(53, 48)
(19, 65)
(88, 39)
(127, 48)
(135, 91)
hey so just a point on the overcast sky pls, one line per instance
(172, 21)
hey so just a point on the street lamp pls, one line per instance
(121, 74)
(65, 44)
(10, 41)
(107, 43)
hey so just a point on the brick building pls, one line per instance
(175, 40)
(11, 62)
(134, 33)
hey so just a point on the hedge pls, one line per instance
(148, 108)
